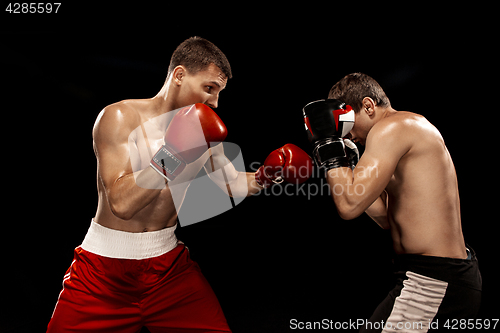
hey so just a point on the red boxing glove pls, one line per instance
(187, 138)
(288, 163)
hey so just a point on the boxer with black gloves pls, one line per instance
(409, 186)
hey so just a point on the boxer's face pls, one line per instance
(202, 87)
(362, 125)
(364, 120)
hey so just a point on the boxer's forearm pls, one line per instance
(349, 197)
(378, 211)
(245, 185)
(355, 195)
(236, 184)
(340, 181)
(131, 193)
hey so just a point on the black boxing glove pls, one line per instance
(352, 153)
(327, 121)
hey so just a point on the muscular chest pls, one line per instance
(143, 143)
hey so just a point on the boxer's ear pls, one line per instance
(179, 74)
(368, 106)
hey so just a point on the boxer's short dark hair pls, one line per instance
(352, 88)
(196, 54)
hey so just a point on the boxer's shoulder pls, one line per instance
(408, 132)
(397, 133)
(117, 119)
(417, 128)
(390, 128)
(407, 121)
(120, 113)
(402, 122)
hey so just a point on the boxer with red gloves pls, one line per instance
(130, 270)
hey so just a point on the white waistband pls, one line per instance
(112, 243)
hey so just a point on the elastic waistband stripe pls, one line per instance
(112, 243)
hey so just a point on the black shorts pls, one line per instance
(429, 291)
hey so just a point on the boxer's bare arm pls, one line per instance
(223, 173)
(243, 185)
(378, 211)
(386, 143)
(111, 131)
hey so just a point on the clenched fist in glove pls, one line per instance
(188, 136)
(327, 121)
(288, 163)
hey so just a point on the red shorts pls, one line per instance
(165, 293)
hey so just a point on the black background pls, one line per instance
(273, 258)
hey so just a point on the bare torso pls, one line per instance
(423, 207)
(142, 135)
(159, 214)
